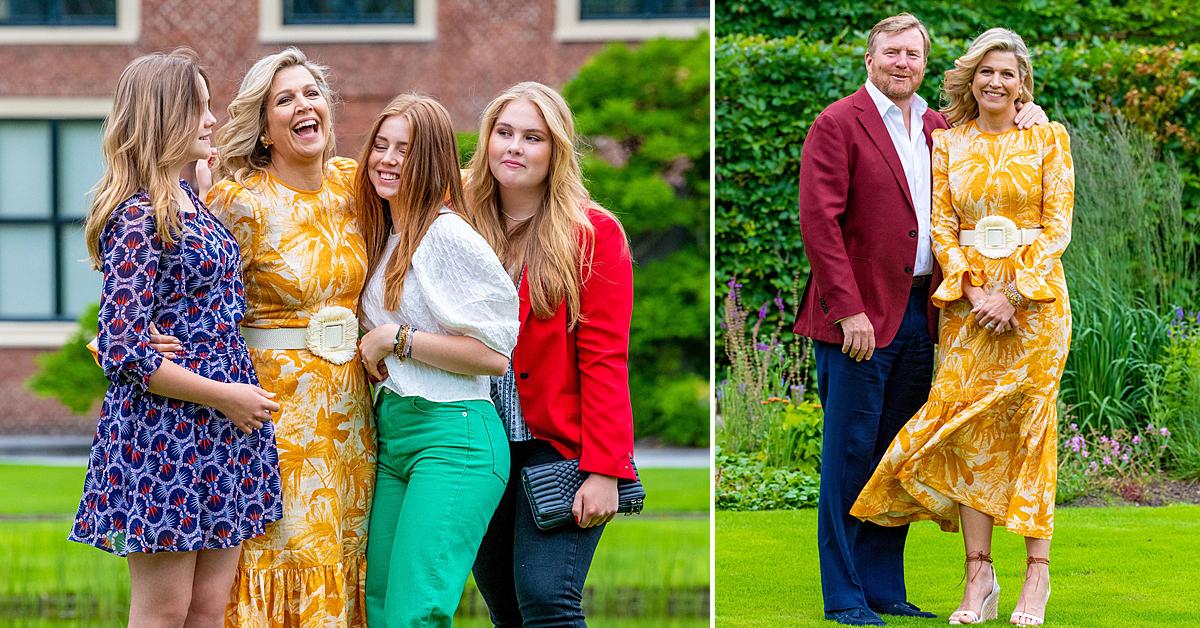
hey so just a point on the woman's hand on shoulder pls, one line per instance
(596, 501)
(246, 405)
(374, 347)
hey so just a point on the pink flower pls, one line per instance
(1104, 439)
(1074, 427)
(1107, 461)
(1092, 468)
(1137, 440)
(1125, 458)
(1165, 432)
(1084, 453)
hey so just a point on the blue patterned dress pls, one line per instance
(168, 475)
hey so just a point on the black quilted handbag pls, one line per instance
(551, 489)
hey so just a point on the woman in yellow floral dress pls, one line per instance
(983, 448)
(289, 203)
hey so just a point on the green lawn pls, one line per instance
(1110, 567)
(651, 566)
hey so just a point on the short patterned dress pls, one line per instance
(302, 252)
(988, 436)
(166, 475)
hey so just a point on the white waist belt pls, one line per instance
(332, 333)
(997, 237)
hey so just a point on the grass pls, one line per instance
(1111, 567)
(654, 566)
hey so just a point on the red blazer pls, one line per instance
(858, 223)
(574, 385)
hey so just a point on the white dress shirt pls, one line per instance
(915, 159)
(455, 286)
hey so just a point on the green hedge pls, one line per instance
(1149, 22)
(770, 90)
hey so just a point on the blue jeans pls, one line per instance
(866, 403)
(531, 577)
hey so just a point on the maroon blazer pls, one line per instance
(858, 223)
(574, 383)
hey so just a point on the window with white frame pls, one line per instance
(642, 9)
(47, 170)
(69, 22)
(629, 20)
(332, 21)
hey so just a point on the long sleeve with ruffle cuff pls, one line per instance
(1039, 259)
(950, 256)
(130, 249)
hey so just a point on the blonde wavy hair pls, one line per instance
(242, 152)
(958, 103)
(555, 244)
(154, 120)
(429, 179)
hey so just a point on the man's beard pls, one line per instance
(885, 85)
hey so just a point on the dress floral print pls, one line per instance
(301, 252)
(165, 474)
(988, 435)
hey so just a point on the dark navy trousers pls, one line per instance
(866, 403)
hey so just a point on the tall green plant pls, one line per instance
(70, 374)
(1176, 395)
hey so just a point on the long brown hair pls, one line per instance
(155, 115)
(429, 179)
(555, 244)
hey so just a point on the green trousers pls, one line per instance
(442, 469)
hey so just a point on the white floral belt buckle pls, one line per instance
(333, 334)
(996, 237)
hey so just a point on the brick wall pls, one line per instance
(482, 47)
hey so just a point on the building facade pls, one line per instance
(59, 63)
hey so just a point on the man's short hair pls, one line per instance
(897, 24)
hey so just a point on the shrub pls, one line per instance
(70, 374)
(1163, 21)
(1122, 462)
(745, 482)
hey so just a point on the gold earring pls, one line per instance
(264, 140)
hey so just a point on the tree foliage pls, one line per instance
(645, 114)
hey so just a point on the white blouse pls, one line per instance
(455, 286)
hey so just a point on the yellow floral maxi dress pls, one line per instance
(302, 251)
(987, 437)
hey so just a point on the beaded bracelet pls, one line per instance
(402, 343)
(1016, 299)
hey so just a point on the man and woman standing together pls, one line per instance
(251, 505)
(909, 215)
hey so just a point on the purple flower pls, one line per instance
(779, 302)
(1107, 461)
(762, 312)
(1084, 453)
(1074, 427)
(762, 347)
(1165, 432)
(1137, 440)
(1178, 314)
(1125, 458)
(1092, 468)
(732, 283)
(1104, 439)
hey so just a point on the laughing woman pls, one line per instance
(567, 392)
(442, 316)
(289, 202)
(183, 466)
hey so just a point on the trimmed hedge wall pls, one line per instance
(1160, 21)
(770, 90)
